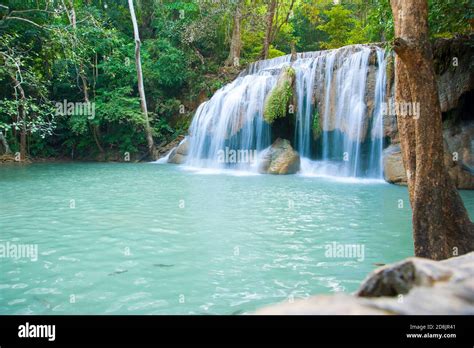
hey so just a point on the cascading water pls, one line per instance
(232, 119)
(375, 163)
(331, 95)
(305, 78)
(353, 137)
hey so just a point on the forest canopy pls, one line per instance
(68, 51)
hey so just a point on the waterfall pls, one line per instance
(375, 163)
(345, 88)
(232, 119)
(306, 69)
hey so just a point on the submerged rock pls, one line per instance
(412, 286)
(279, 158)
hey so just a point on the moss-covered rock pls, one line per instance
(316, 124)
(277, 101)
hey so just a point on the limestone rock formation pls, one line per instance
(279, 158)
(459, 157)
(453, 59)
(412, 286)
(459, 154)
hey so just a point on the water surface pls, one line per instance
(158, 239)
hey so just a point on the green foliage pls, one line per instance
(273, 53)
(341, 28)
(279, 98)
(165, 64)
(184, 46)
(316, 124)
(380, 22)
(305, 23)
(450, 16)
(39, 116)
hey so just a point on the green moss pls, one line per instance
(276, 104)
(316, 125)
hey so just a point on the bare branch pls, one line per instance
(26, 20)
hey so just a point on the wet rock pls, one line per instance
(183, 147)
(175, 157)
(279, 158)
(393, 169)
(179, 154)
(164, 148)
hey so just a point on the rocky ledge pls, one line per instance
(412, 286)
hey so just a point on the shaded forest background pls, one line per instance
(77, 50)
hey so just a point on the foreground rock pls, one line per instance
(279, 158)
(412, 286)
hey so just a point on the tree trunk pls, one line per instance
(268, 28)
(236, 41)
(294, 54)
(4, 142)
(441, 224)
(141, 90)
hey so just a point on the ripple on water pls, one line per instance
(234, 246)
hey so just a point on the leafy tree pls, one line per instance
(342, 28)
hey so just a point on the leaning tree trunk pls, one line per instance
(141, 89)
(236, 41)
(268, 28)
(441, 224)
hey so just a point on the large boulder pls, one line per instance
(414, 286)
(179, 154)
(183, 147)
(279, 158)
(394, 171)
